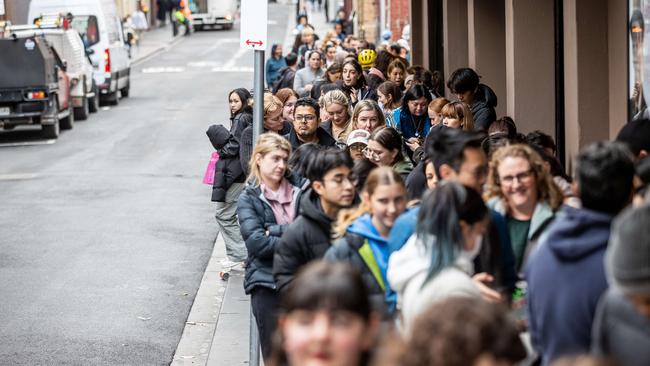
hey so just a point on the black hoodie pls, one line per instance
(483, 107)
(306, 239)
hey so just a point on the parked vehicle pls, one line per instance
(213, 13)
(101, 31)
(34, 88)
(69, 45)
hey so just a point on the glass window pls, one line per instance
(87, 28)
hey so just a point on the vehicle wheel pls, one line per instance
(81, 113)
(67, 123)
(111, 98)
(51, 131)
(125, 91)
(93, 104)
(228, 27)
(198, 28)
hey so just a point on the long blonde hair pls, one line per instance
(378, 177)
(337, 96)
(266, 143)
(547, 190)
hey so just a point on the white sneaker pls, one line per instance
(228, 264)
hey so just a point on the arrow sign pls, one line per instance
(256, 43)
(254, 20)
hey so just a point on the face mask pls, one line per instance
(471, 254)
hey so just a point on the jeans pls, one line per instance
(226, 216)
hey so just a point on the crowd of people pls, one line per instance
(380, 223)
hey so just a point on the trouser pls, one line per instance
(265, 303)
(226, 216)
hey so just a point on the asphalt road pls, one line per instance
(105, 234)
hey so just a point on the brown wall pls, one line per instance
(454, 33)
(530, 65)
(487, 46)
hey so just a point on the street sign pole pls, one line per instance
(258, 87)
(253, 36)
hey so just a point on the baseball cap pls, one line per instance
(358, 137)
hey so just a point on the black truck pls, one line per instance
(34, 88)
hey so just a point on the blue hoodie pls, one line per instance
(566, 277)
(363, 227)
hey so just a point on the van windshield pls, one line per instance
(86, 25)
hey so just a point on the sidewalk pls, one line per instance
(152, 41)
(316, 18)
(217, 329)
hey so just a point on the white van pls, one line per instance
(101, 30)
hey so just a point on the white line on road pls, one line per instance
(28, 143)
(231, 63)
(232, 69)
(159, 70)
(18, 176)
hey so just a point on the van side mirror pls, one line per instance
(89, 51)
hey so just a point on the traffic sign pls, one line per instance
(254, 19)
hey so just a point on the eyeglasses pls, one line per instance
(523, 177)
(357, 147)
(306, 117)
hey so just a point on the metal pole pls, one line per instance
(254, 343)
(258, 129)
(258, 91)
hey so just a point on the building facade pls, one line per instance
(560, 66)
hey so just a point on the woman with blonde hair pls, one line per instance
(521, 188)
(367, 116)
(457, 115)
(363, 232)
(266, 207)
(337, 106)
(273, 122)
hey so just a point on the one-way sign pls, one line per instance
(254, 19)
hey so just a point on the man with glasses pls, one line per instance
(308, 237)
(306, 125)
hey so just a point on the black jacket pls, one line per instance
(256, 219)
(306, 239)
(228, 169)
(346, 250)
(324, 138)
(483, 107)
(285, 80)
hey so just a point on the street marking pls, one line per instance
(232, 69)
(27, 143)
(233, 61)
(18, 176)
(159, 70)
(202, 64)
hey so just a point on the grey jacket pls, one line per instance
(304, 77)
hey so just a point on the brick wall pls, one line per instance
(368, 19)
(398, 16)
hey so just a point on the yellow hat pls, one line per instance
(367, 58)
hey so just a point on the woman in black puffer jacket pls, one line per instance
(228, 176)
(266, 207)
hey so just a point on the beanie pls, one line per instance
(628, 254)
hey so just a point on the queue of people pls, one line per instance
(380, 223)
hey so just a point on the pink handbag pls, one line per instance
(208, 178)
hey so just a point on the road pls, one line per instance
(105, 234)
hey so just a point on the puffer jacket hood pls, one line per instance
(218, 136)
(579, 233)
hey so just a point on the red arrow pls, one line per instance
(255, 43)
